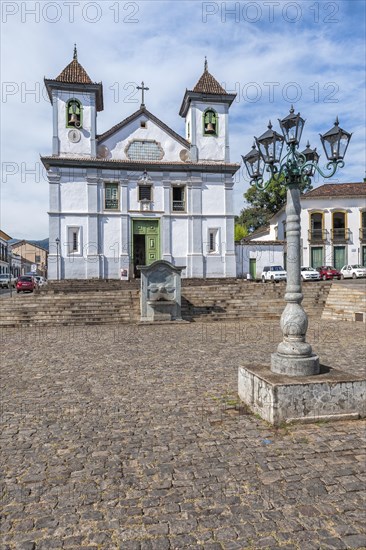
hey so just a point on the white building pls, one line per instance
(4, 252)
(333, 228)
(139, 192)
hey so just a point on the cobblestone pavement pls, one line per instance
(131, 437)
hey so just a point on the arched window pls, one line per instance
(210, 123)
(74, 112)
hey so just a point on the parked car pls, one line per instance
(41, 281)
(353, 271)
(273, 273)
(327, 272)
(26, 283)
(309, 274)
(6, 282)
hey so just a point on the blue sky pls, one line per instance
(272, 53)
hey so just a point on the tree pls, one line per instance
(240, 232)
(263, 204)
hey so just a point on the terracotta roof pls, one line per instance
(74, 73)
(4, 235)
(263, 229)
(337, 190)
(207, 84)
(205, 90)
(24, 241)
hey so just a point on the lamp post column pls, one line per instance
(294, 355)
(10, 274)
(57, 258)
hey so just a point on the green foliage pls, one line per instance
(262, 205)
(240, 232)
(252, 218)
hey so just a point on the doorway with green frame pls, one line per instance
(316, 256)
(145, 243)
(253, 268)
(339, 256)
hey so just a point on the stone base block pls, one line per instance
(161, 310)
(333, 394)
(295, 366)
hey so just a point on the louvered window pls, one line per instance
(145, 192)
(111, 201)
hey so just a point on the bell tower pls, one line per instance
(206, 111)
(75, 101)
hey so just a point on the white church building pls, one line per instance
(139, 192)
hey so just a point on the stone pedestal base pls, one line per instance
(331, 395)
(294, 366)
(162, 311)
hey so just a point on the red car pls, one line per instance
(328, 272)
(26, 283)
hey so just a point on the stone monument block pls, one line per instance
(161, 292)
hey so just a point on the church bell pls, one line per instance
(210, 128)
(73, 119)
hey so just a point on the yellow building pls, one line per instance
(32, 254)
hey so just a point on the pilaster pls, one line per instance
(92, 240)
(55, 139)
(125, 226)
(195, 260)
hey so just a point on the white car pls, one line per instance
(273, 273)
(353, 271)
(40, 280)
(309, 274)
(6, 281)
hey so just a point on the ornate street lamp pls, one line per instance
(292, 126)
(58, 253)
(335, 142)
(270, 146)
(294, 355)
(254, 163)
(313, 156)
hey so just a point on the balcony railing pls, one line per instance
(178, 206)
(111, 204)
(318, 235)
(363, 234)
(340, 235)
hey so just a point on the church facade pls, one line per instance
(139, 192)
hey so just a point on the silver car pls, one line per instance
(309, 274)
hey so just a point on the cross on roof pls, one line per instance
(142, 88)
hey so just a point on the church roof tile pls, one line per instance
(74, 73)
(337, 190)
(207, 84)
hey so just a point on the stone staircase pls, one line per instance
(102, 302)
(346, 302)
(247, 300)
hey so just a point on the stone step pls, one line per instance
(200, 302)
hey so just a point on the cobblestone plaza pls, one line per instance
(132, 437)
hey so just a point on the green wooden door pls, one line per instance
(316, 256)
(150, 230)
(364, 256)
(253, 268)
(339, 255)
